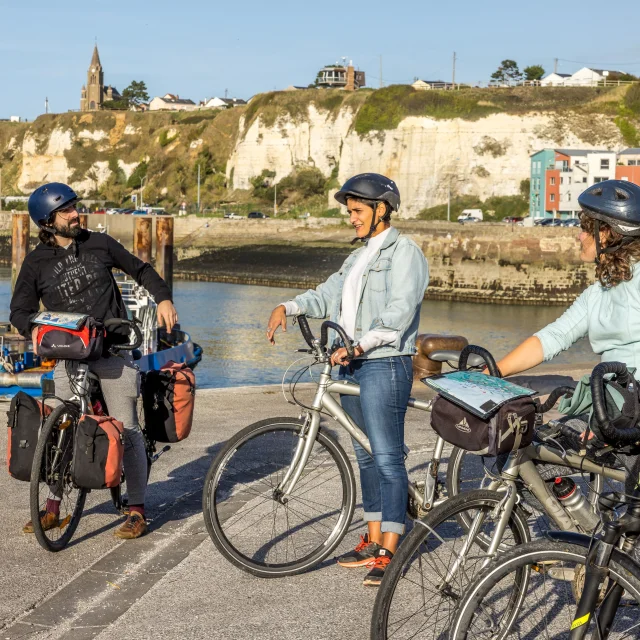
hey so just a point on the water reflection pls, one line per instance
(230, 322)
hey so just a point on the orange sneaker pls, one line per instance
(134, 526)
(48, 521)
(378, 565)
(361, 555)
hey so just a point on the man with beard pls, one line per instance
(70, 271)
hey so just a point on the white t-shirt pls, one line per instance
(351, 293)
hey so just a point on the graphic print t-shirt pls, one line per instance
(78, 279)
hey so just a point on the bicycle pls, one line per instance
(449, 546)
(570, 585)
(53, 455)
(280, 495)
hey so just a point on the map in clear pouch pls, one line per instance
(481, 394)
(72, 321)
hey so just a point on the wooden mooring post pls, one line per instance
(142, 238)
(19, 244)
(164, 248)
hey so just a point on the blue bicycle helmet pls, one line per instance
(47, 199)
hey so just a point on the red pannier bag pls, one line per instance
(98, 452)
(59, 343)
(26, 415)
(168, 398)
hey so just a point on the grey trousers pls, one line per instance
(120, 382)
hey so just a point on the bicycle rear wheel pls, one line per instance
(422, 586)
(255, 528)
(51, 475)
(555, 572)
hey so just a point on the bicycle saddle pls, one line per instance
(454, 356)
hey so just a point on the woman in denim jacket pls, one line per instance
(376, 296)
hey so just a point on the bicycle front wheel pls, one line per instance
(547, 609)
(433, 566)
(51, 477)
(259, 530)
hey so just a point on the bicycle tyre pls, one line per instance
(213, 495)
(623, 570)
(411, 549)
(39, 459)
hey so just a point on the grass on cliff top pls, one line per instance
(386, 108)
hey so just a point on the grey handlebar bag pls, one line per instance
(510, 427)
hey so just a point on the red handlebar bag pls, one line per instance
(71, 344)
(168, 398)
(98, 452)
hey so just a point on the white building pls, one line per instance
(426, 85)
(630, 157)
(587, 77)
(223, 103)
(555, 80)
(171, 102)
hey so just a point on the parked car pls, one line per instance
(257, 214)
(139, 212)
(466, 219)
(470, 213)
(513, 219)
(233, 216)
(110, 212)
(571, 222)
(99, 211)
(550, 222)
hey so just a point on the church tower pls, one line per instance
(92, 95)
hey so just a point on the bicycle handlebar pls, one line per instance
(614, 435)
(483, 353)
(113, 323)
(554, 396)
(324, 332)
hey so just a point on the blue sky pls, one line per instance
(198, 49)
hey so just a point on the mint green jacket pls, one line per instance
(393, 288)
(610, 317)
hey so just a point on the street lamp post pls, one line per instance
(142, 181)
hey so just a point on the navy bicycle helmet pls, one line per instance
(48, 199)
(371, 186)
(615, 202)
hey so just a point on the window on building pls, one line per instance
(561, 179)
(584, 179)
(596, 180)
(552, 180)
(632, 163)
(552, 197)
(604, 163)
(569, 179)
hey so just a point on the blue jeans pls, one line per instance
(385, 386)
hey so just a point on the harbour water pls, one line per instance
(229, 321)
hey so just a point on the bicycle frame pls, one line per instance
(324, 401)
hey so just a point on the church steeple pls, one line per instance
(94, 95)
(95, 59)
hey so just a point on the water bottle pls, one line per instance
(571, 498)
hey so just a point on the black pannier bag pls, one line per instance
(98, 452)
(511, 427)
(26, 416)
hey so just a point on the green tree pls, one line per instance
(136, 93)
(508, 71)
(534, 72)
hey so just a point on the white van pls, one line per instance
(470, 215)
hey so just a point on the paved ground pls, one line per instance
(173, 583)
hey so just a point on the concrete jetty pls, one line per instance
(173, 583)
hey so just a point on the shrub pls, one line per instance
(628, 131)
(495, 208)
(164, 139)
(135, 179)
(632, 99)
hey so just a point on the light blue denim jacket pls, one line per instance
(393, 288)
(609, 316)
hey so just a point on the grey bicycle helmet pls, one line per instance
(375, 187)
(616, 202)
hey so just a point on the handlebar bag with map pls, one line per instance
(482, 414)
(98, 452)
(26, 416)
(168, 398)
(84, 340)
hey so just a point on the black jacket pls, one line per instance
(78, 279)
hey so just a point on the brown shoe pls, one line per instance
(135, 526)
(48, 521)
